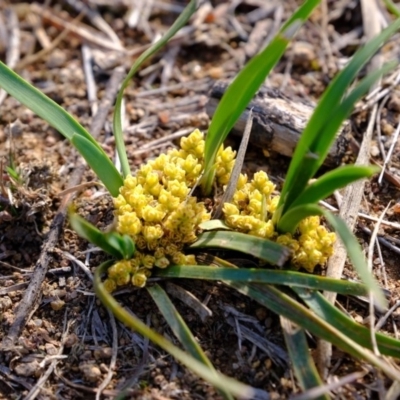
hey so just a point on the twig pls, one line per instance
(382, 320)
(82, 31)
(390, 152)
(39, 384)
(233, 181)
(32, 58)
(13, 52)
(96, 19)
(114, 354)
(370, 265)
(79, 263)
(190, 300)
(319, 391)
(89, 77)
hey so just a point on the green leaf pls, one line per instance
(314, 143)
(290, 220)
(259, 275)
(59, 119)
(179, 327)
(323, 308)
(357, 257)
(111, 242)
(217, 379)
(101, 166)
(282, 304)
(392, 7)
(302, 362)
(214, 224)
(338, 178)
(246, 83)
(266, 250)
(117, 122)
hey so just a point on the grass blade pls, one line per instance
(282, 304)
(295, 215)
(268, 276)
(179, 327)
(112, 243)
(218, 380)
(307, 157)
(356, 256)
(62, 121)
(302, 362)
(117, 122)
(266, 250)
(321, 306)
(101, 165)
(247, 82)
(338, 178)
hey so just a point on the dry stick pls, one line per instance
(83, 31)
(96, 19)
(190, 300)
(319, 391)
(32, 294)
(389, 154)
(31, 58)
(13, 52)
(114, 355)
(33, 393)
(91, 87)
(233, 181)
(372, 242)
(353, 193)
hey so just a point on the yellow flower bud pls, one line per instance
(152, 214)
(139, 279)
(159, 252)
(109, 285)
(190, 260)
(129, 224)
(178, 258)
(148, 261)
(162, 262)
(241, 181)
(152, 232)
(272, 204)
(178, 189)
(130, 182)
(230, 209)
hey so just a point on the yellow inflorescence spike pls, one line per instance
(155, 209)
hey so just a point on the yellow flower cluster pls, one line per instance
(251, 212)
(155, 208)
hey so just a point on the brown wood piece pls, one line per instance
(278, 122)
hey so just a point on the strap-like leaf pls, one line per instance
(180, 329)
(245, 85)
(117, 123)
(99, 163)
(312, 145)
(263, 249)
(217, 379)
(282, 304)
(338, 178)
(302, 362)
(321, 306)
(111, 242)
(268, 276)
